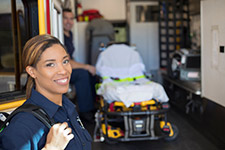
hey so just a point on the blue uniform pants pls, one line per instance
(85, 92)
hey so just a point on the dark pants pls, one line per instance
(85, 92)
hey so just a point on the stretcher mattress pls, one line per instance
(129, 92)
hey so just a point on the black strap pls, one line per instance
(37, 111)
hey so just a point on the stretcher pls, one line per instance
(131, 107)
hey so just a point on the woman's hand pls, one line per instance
(58, 137)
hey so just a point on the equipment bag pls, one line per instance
(37, 111)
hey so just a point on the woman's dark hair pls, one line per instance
(32, 52)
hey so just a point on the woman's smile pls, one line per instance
(62, 81)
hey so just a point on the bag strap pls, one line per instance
(37, 111)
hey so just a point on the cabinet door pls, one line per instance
(79, 31)
(144, 32)
(212, 50)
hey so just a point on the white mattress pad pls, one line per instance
(129, 92)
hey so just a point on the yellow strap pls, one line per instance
(128, 79)
(105, 78)
(97, 86)
(139, 77)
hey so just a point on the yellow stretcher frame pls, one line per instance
(145, 105)
(116, 133)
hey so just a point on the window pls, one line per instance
(147, 13)
(13, 35)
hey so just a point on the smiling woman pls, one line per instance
(47, 65)
(52, 73)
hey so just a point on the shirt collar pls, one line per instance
(69, 37)
(40, 100)
(68, 105)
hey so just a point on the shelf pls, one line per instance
(174, 28)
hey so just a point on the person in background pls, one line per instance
(47, 65)
(83, 75)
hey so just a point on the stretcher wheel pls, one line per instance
(175, 133)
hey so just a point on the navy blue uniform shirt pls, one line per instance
(69, 44)
(25, 132)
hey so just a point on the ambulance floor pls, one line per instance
(189, 138)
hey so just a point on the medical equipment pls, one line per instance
(131, 106)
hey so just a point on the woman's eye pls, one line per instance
(66, 61)
(50, 64)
